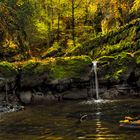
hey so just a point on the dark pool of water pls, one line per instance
(61, 121)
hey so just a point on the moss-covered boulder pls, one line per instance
(116, 68)
(35, 72)
(68, 67)
(8, 72)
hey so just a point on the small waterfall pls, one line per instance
(96, 79)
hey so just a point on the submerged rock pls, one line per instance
(110, 94)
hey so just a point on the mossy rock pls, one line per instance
(7, 70)
(34, 72)
(138, 60)
(67, 67)
(137, 72)
(115, 75)
(113, 68)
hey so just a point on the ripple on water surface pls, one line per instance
(62, 121)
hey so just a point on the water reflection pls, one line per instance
(61, 121)
(102, 131)
(93, 101)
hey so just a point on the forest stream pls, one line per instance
(71, 120)
(55, 55)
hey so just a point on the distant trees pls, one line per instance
(37, 24)
(117, 13)
(136, 5)
(14, 17)
(135, 10)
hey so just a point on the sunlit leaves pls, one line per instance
(136, 5)
(47, 21)
(19, 2)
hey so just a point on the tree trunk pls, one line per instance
(73, 24)
(58, 24)
(49, 26)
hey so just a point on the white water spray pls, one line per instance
(96, 79)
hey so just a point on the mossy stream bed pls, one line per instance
(61, 120)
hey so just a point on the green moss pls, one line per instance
(55, 50)
(116, 64)
(57, 68)
(115, 51)
(7, 69)
(119, 52)
(29, 66)
(115, 74)
(70, 67)
(105, 59)
(37, 67)
(118, 73)
(77, 50)
(124, 38)
(41, 68)
(138, 60)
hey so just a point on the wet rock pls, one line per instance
(134, 93)
(138, 83)
(37, 97)
(13, 99)
(75, 94)
(54, 82)
(26, 97)
(32, 80)
(137, 72)
(54, 70)
(8, 74)
(6, 108)
(123, 88)
(63, 85)
(2, 96)
(58, 97)
(110, 94)
(50, 97)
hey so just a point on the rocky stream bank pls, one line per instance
(67, 78)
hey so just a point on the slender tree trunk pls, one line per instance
(49, 26)
(86, 15)
(52, 14)
(58, 27)
(87, 4)
(58, 23)
(73, 23)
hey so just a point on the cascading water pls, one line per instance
(96, 79)
(5, 105)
